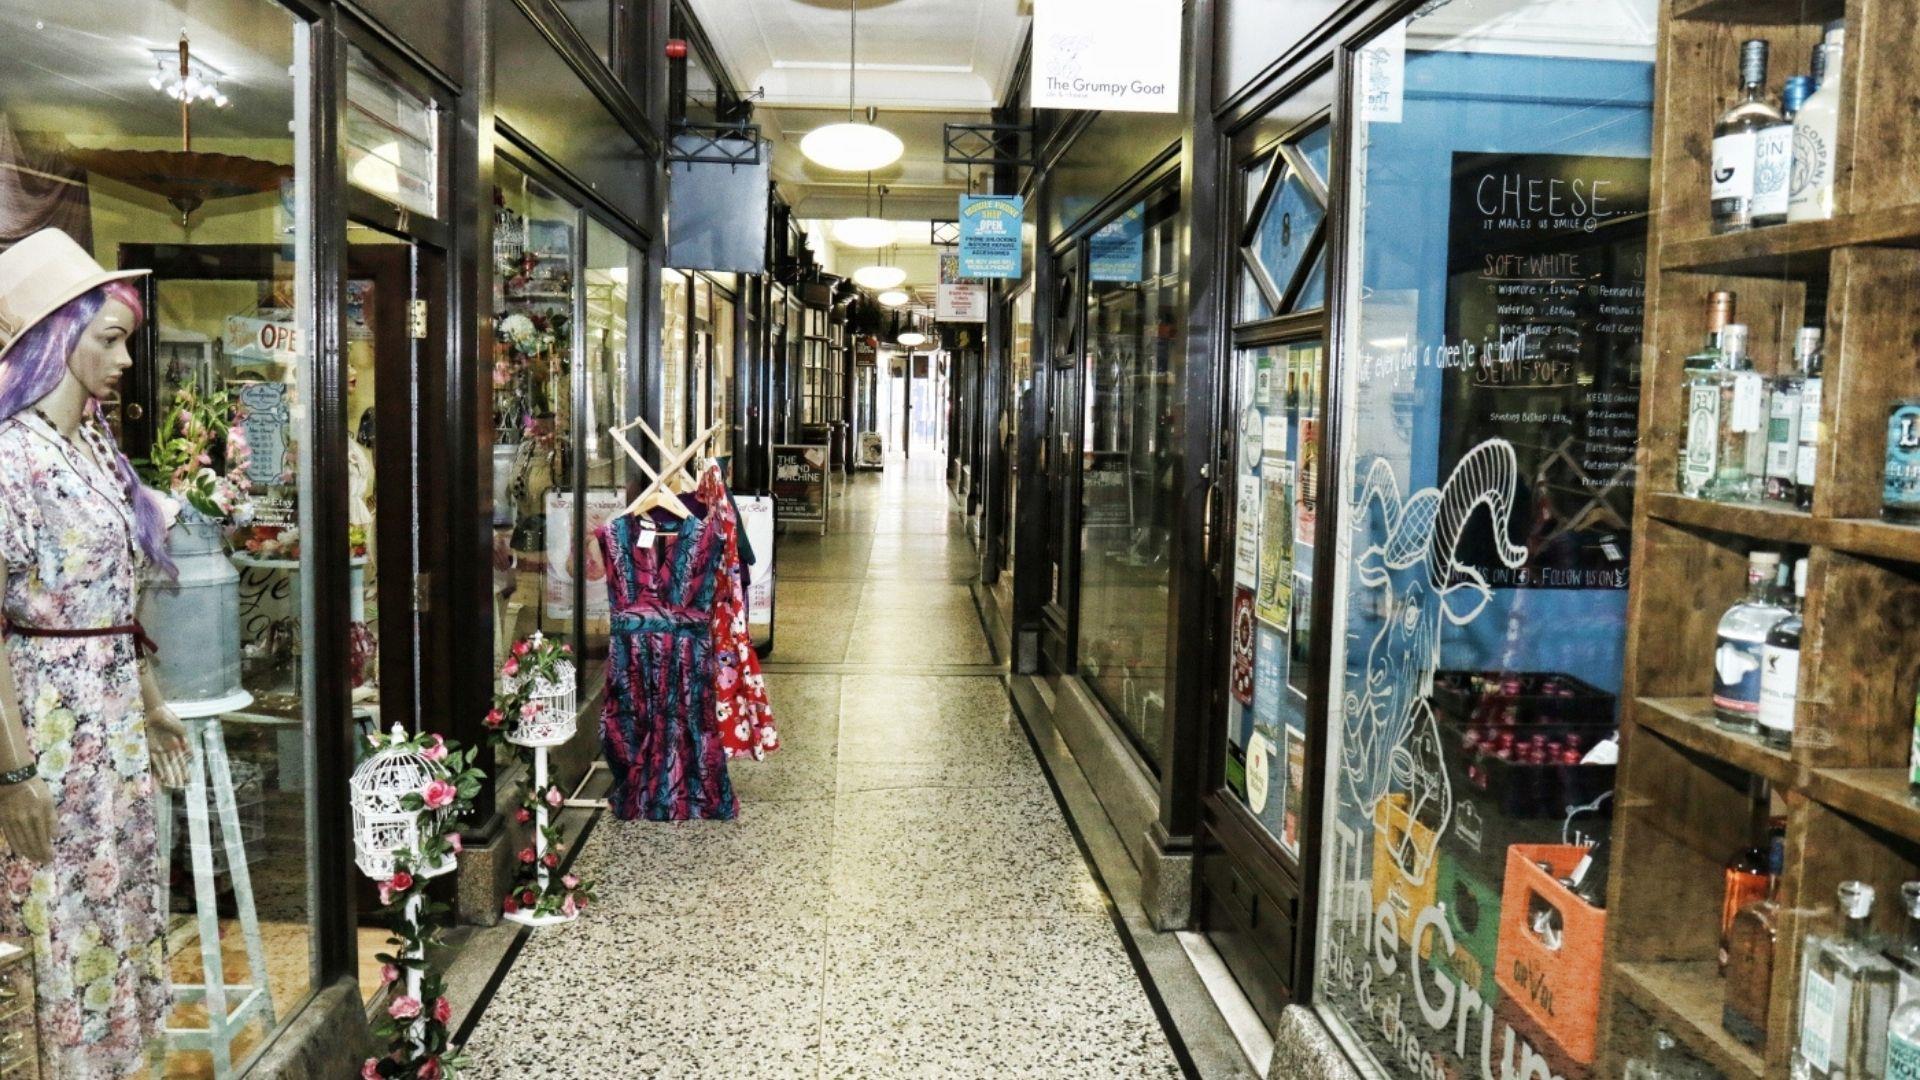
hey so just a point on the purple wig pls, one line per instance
(37, 363)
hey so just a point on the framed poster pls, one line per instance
(801, 484)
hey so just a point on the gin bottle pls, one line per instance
(1726, 452)
(1846, 994)
(1741, 635)
(1737, 142)
(1780, 669)
(1749, 970)
(1709, 406)
(1810, 189)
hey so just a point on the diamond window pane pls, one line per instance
(1313, 292)
(1293, 217)
(1317, 147)
(1253, 302)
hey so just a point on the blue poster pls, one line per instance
(990, 239)
(1117, 251)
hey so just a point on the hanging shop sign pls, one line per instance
(756, 516)
(990, 235)
(272, 341)
(1117, 250)
(800, 485)
(1118, 55)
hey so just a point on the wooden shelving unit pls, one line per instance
(1685, 785)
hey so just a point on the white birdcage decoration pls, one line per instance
(384, 829)
(555, 701)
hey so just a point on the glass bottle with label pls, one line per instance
(1900, 487)
(1810, 356)
(1780, 668)
(1846, 994)
(1773, 156)
(1810, 190)
(1726, 435)
(1741, 635)
(1750, 946)
(1736, 138)
(1903, 1027)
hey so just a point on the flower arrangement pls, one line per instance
(534, 668)
(539, 890)
(414, 1022)
(533, 662)
(200, 456)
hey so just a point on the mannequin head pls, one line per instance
(82, 349)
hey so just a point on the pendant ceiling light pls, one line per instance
(868, 231)
(912, 339)
(879, 276)
(852, 146)
(894, 297)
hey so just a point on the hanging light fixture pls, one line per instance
(869, 231)
(852, 146)
(912, 339)
(879, 276)
(894, 297)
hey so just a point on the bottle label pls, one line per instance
(1772, 170)
(1816, 1022)
(1783, 433)
(1779, 688)
(1749, 398)
(1812, 165)
(1736, 676)
(1803, 465)
(1703, 435)
(1732, 190)
(1903, 1058)
(1901, 488)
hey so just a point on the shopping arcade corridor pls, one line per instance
(901, 894)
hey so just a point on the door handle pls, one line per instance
(1206, 525)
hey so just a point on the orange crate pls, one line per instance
(1557, 984)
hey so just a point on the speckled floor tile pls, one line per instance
(999, 852)
(909, 639)
(772, 859)
(934, 999)
(931, 731)
(718, 995)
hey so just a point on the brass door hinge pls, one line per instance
(417, 320)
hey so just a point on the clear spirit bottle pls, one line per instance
(1810, 190)
(1846, 996)
(1903, 1027)
(1810, 356)
(1787, 409)
(1751, 942)
(1742, 634)
(1736, 141)
(1780, 668)
(1725, 452)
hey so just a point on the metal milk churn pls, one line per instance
(194, 620)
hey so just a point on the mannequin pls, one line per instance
(83, 728)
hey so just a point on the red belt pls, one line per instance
(142, 644)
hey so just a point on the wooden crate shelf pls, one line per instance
(1872, 537)
(1800, 249)
(1758, 11)
(1688, 722)
(1760, 521)
(1876, 796)
(1685, 998)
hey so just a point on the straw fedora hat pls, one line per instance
(41, 273)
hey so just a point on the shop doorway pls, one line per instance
(1059, 465)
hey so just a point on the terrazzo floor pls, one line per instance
(900, 895)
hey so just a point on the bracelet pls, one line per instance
(20, 775)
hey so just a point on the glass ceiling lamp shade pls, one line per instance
(894, 297)
(852, 147)
(863, 232)
(879, 277)
(912, 339)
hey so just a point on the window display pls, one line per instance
(205, 203)
(1490, 401)
(1132, 362)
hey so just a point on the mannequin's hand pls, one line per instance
(26, 819)
(167, 746)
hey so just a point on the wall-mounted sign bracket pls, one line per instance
(715, 144)
(988, 144)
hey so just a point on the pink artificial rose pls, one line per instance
(438, 794)
(370, 1069)
(527, 856)
(511, 667)
(509, 906)
(555, 799)
(435, 751)
(569, 908)
(520, 648)
(442, 1010)
(404, 1007)
(495, 718)
(429, 1069)
(453, 841)
(389, 973)
(523, 815)
(401, 881)
(571, 881)
(550, 860)
(530, 711)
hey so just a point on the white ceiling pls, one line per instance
(922, 63)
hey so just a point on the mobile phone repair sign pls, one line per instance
(1120, 55)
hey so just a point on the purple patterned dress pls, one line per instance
(657, 727)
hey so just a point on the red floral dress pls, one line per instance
(740, 707)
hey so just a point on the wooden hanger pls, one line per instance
(657, 493)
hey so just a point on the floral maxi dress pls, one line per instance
(95, 915)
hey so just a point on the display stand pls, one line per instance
(230, 1006)
(554, 725)
(527, 918)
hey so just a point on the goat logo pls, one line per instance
(1391, 749)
